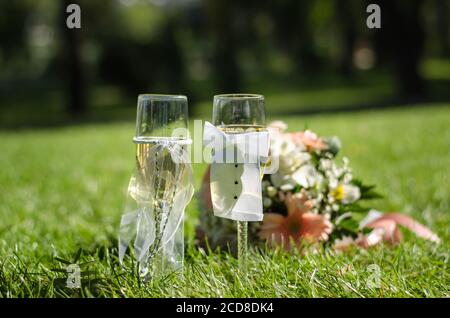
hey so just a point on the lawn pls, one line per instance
(63, 189)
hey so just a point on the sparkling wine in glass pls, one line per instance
(238, 114)
(160, 169)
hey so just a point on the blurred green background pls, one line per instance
(305, 56)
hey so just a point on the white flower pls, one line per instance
(370, 217)
(351, 193)
(330, 198)
(287, 187)
(325, 164)
(320, 182)
(306, 176)
(279, 125)
(333, 182)
(347, 177)
(319, 197)
(345, 161)
(290, 156)
(283, 182)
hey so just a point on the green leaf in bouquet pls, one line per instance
(366, 230)
(278, 207)
(315, 159)
(361, 185)
(349, 224)
(297, 188)
(370, 195)
(340, 232)
(353, 207)
(367, 191)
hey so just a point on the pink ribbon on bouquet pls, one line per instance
(386, 228)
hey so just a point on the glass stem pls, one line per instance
(242, 234)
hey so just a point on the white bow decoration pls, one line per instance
(156, 228)
(236, 172)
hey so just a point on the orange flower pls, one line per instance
(309, 139)
(299, 224)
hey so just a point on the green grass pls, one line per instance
(63, 189)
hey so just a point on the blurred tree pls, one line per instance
(141, 46)
(138, 66)
(12, 28)
(401, 39)
(171, 54)
(225, 49)
(345, 16)
(442, 13)
(74, 71)
(295, 32)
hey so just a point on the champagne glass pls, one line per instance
(161, 142)
(237, 114)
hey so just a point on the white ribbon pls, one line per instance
(157, 228)
(236, 172)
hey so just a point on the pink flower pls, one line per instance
(299, 225)
(386, 228)
(309, 139)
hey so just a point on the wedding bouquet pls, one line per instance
(313, 197)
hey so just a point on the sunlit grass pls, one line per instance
(63, 189)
